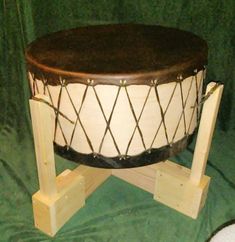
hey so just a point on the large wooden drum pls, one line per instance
(123, 95)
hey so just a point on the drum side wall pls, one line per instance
(127, 120)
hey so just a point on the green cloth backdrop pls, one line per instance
(117, 211)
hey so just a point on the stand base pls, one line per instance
(173, 185)
(51, 213)
(175, 189)
(168, 182)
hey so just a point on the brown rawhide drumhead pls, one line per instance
(124, 95)
(110, 53)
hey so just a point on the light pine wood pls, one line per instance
(43, 143)
(170, 184)
(142, 177)
(205, 133)
(59, 197)
(174, 189)
(94, 177)
(51, 213)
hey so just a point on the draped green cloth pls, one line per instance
(117, 211)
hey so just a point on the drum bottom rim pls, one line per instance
(147, 157)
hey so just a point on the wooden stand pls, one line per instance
(173, 185)
(183, 189)
(62, 196)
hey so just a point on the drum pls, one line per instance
(123, 95)
(225, 233)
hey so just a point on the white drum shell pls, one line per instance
(132, 138)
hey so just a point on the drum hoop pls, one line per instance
(53, 76)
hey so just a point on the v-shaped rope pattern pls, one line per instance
(56, 113)
(183, 110)
(78, 119)
(196, 103)
(137, 118)
(35, 86)
(108, 120)
(160, 124)
(134, 115)
(137, 123)
(162, 113)
(107, 123)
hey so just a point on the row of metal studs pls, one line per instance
(122, 82)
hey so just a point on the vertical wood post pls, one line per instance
(59, 198)
(205, 133)
(41, 115)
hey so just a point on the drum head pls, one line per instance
(109, 53)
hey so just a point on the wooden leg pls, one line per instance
(181, 188)
(170, 184)
(59, 197)
(205, 133)
(73, 187)
(43, 137)
(174, 189)
(176, 186)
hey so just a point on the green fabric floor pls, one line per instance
(116, 211)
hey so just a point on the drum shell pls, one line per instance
(124, 120)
